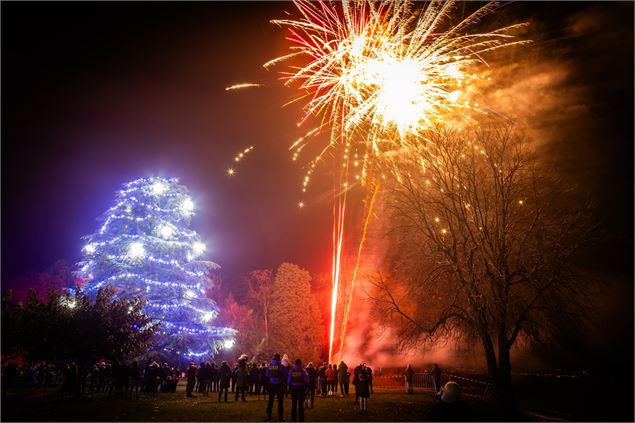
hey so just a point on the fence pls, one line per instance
(469, 387)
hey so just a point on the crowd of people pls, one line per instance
(274, 381)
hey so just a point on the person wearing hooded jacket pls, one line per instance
(277, 376)
(298, 382)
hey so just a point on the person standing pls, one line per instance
(242, 380)
(409, 375)
(356, 382)
(298, 382)
(233, 377)
(331, 375)
(342, 370)
(214, 377)
(287, 366)
(262, 380)
(191, 379)
(363, 389)
(224, 374)
(435, 372)
(322, 379)
(277, 376)
(254, 376)
(312, 373)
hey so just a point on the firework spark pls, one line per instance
(237, 158)
(241, 86)
(378, 75)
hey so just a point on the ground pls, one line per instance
(384, 405)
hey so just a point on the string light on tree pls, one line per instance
(166, 231)
(145, 246)
(136, 250)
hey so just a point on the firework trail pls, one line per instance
(242, 86)
(378, 74)
(237, 158)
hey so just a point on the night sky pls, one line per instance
(97, 94)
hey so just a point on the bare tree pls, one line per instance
(484, 245)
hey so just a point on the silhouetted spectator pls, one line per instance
(450, 407)
(224, 375)
(191, 379)
(409, 376)
(435, 372)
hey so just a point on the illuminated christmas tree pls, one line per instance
(145, 248)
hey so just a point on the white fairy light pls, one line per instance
(166, 231)
(198, 248)
(158, 188)
(187, 206)
(136, 250)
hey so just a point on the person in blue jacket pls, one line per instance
(277, 376)
(298, 382)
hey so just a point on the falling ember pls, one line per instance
(241, 86)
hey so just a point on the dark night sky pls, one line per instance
(97, 94)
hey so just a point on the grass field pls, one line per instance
(384, 405)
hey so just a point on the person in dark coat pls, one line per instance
(356, 382)
(254, 376)
(409, 376)
(342, 377)
(224, 374)
(242, 380)
(191, 379)
(322, 379)
(436, 377)
(363, 388)
(233, 377)
(312, 373)
(200, 378)
(450, 407)
(262, 380)
(277, 375)
(298, 382)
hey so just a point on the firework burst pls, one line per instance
(380, 73)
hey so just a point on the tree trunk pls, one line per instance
(500, 373)
(266, 328)
(503, 384)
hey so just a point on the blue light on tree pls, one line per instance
(145, 247)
